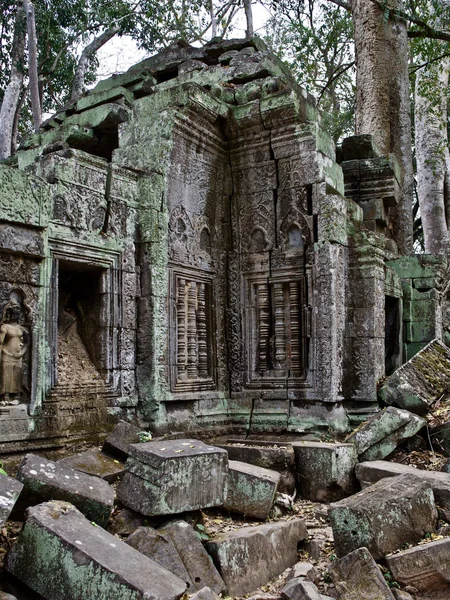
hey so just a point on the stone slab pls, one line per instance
(97, 463)
(159, 548)
(269, 455)
(251, 490)
(299, 589)
(417, 384)
(249, 557)
(120, 438)
(47, 480)
(384, 516)
(380, 435)
(170, 477)
(357, 576)
(10, 490)
(325, 472)
(193, 556)
(425, 567)
(60, 554)
(205, 594)
(370, 472)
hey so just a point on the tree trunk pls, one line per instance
(382, 99)
(86, 57)
(433, 155)
(14, 87)
(213, 19)
(33, 65)
(249, 18)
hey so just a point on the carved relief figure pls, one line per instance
(13, 347)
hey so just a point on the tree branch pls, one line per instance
(86, 57)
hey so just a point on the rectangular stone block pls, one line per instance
(357, 576)
(60, 554)
(169, 477)
(380, 435)
(384, 516)
(251, 490)
(325, 472)
(425, 567)
(370, 472)
(417, 384)
(95, 462)
(249, 557)
(46, 480)
(120, 438)
(10, 490)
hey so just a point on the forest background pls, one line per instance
(375, 66)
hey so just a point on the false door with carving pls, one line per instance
(192, 339)
(277, 341)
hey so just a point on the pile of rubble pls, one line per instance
(135, 519)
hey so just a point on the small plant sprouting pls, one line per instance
(144, 436)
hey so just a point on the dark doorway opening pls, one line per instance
(392, 348)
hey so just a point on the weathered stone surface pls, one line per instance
(357, 577)
(425, 567)
(251, 490)
(193, 556)
(421, 381)
(60, 554)
(401, 594)
(171, 477)
(357, 147)
(369, 473)
(306, 570)
(125, 522)
(95, 462)
(120, 438)
(159, 548)
(205, 594)
(10, 490)
(384, 516)
(251, 556)
(46, 480)
(325, 472)
(299, 589)
(440, 438)
(269, 455)
(380, 435)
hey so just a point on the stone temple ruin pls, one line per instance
(182, 246)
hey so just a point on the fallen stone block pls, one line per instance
(269, 455)
(299, 589)
(305, 570)
(357, 576)
(425, 567)
(384, 516)
(251, 490)
(418, 383)
(193, 555)
(46, 480)
(10, 490)
(169, 477)
(325, 472)
(160, 549)
(120, 438)
(381, 434)
(205, 594)
(251, 556)
(60, 554)
(5, 596)
(177, 548)
(97, 463)
(369, 473)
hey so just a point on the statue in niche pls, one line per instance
(13, 347)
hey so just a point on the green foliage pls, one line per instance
(315, 38)
(144, 436)
(2, 470)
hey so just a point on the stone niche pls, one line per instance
(182, 248)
